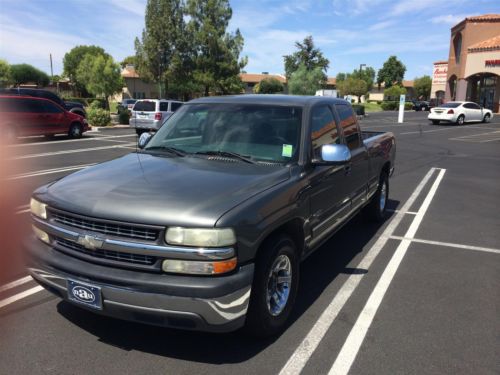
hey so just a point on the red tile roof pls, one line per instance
(331, 81)
(129, 72)
(491, 44)
(441, 62)
(484, 18)
(256, 78)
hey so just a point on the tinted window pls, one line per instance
(20, 105)
(34, 106)
(174, 106)
(50, 96)
(51, 108)
(349, 125)
(472, 106)
(323, 129)
(450, 105)
(145, 106)
(163, 107)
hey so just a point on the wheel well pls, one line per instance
(294, 229)
(78, 112)
(386, 168)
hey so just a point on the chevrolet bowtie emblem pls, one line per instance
(90, 242)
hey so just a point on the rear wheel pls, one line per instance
(487, 118)
(274, 287)
(435, 122)
(460, 120)
(140, 131)
(75, 130)
(377, 208)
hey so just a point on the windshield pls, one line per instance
(258, 132)
(450, 105)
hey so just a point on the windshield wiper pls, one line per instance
(172, 150)
(230, 154)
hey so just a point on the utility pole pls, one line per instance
(361, 67)
(51, 70)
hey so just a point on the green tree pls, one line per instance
(353, 86)
(367, 74)
(268, 86)
(341, 77)
(100, 75)
(5, 77)
(216, 52)
(422, 86)
(307, 55)
(162, 40)
(393, 92)
(392, 72)
(72, 59)
(25, 73)
(305, 82)
(129, 60)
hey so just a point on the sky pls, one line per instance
(348, 32)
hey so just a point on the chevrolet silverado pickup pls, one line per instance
(205, 226)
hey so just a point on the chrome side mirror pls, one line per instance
(143, 140)
(334, 154)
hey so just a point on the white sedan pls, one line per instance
(459, 112)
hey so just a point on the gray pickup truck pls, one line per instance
(205, 226)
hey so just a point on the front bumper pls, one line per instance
(216, 304)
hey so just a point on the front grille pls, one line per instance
(118, 230)
(107, 254)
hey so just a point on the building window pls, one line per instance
(457, 45)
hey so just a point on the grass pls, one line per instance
(372, 107)
(113, 107)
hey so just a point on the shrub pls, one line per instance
(389, 106)
(123, 116)
(408, 106)
(98, 116)
(359, 109)
(101, 103)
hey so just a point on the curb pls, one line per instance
(97, 128)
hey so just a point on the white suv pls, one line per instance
(151, 114)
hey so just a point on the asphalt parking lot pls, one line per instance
(418, 294)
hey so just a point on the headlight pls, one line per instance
(41, 235)
(199, 268)
(213, 237)
(38, 209)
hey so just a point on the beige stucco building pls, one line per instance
(135, 87)
(439, 77)
(474, 61)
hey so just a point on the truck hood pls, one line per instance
(161, 190)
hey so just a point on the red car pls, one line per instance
(27, 115)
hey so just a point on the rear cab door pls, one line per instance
(474, 112)
(358, 171)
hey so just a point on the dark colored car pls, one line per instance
(72, 107)
(420, 105)
(435, 102)
(205, 227)
(27, 116)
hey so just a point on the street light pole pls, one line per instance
(361, 67)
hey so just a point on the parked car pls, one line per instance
(420, 105)
(27, 116)
(205, 227)
(72, 107)
(127, 104)
(459, 113)
(151, 114)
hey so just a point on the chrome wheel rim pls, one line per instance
(75, 131)
(460, 120)
(383, 196)
(487, 118)
(278, 285)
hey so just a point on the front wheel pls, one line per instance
(75, 131)
(274, 287)
(377, 208)
(487, 118)
(460, 120)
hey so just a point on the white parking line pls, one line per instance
(358, 332)
(407, 212)
(306, 348)
(30, 156)
(50, 171)
(95, 137)
(15, 283)
(448, 244)
(19, 296)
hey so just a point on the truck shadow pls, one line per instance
(317, 273)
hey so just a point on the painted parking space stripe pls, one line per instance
(30, 156)
(95, 137)
(17, 297)
(479, 138)
(447, 244)
(15, 283)
(50, 171)
(306, 348)
(358, 332)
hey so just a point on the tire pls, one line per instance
(266, 314)
(460, 120)
(139, 131)
(376, 210)
(487, 118)
(435, 122)
(75, 130)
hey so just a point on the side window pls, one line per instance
(323, 129)
(471, 106)
(51, 108)
(349, 125)
(33, 106)
(163, 106)
(175, 106)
